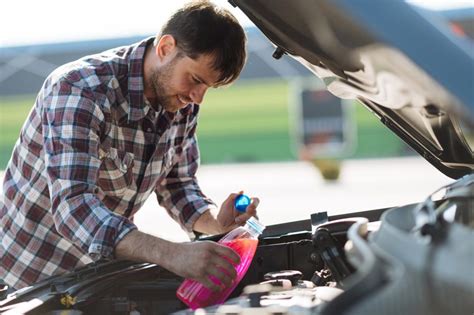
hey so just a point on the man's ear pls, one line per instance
(166, 47)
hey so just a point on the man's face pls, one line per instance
(181, 81)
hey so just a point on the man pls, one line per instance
(105, 132)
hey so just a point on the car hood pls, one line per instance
(403, 64)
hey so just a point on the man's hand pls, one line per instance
(229, 218)
(206, 262)
(201, 261)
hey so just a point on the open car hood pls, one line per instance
(403, 64)
(418, 79)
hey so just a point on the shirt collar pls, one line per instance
(136, 98)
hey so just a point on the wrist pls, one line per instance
(207, 223)
(165, 254)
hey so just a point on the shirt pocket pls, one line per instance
(116, 172)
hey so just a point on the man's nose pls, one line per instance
(197, 94)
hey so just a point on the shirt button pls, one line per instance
(148, 130)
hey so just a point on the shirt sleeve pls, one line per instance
(72, 125)
(180, 193)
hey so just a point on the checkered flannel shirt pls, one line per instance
(90, 153)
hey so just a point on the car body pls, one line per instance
(417, 78)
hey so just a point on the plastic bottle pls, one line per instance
(244, 241)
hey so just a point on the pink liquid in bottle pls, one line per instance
(196, 295)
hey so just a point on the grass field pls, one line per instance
(248, 121)
(13, 111)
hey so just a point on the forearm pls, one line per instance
(142, 247)
(179, 193)
(195, 260)
(207, 223)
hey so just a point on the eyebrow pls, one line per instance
(202, 80)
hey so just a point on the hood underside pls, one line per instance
(401, 63)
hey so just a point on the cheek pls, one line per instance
(182, 86)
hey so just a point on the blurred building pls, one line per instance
(24, 68)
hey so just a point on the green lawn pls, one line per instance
(13, 111)
(248, 121)
(245, 122)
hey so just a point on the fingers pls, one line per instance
(210, 263)
(226, 267)
(220, 271)
(250, 212)
(252, 207)
(229, 253)
(211, 283)
(228, 213)
(220, 277)
(254, 204)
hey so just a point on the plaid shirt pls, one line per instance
(90, 153)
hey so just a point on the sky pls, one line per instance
(29, 22)
(26, 22)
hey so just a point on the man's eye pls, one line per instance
(196, 81)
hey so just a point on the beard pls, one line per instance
(159, 83)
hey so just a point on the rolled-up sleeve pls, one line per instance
(72, 125)
(180, 193)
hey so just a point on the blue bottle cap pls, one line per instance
(241, 203)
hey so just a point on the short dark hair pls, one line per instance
(200, 27)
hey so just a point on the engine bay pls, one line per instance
(405, 260)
